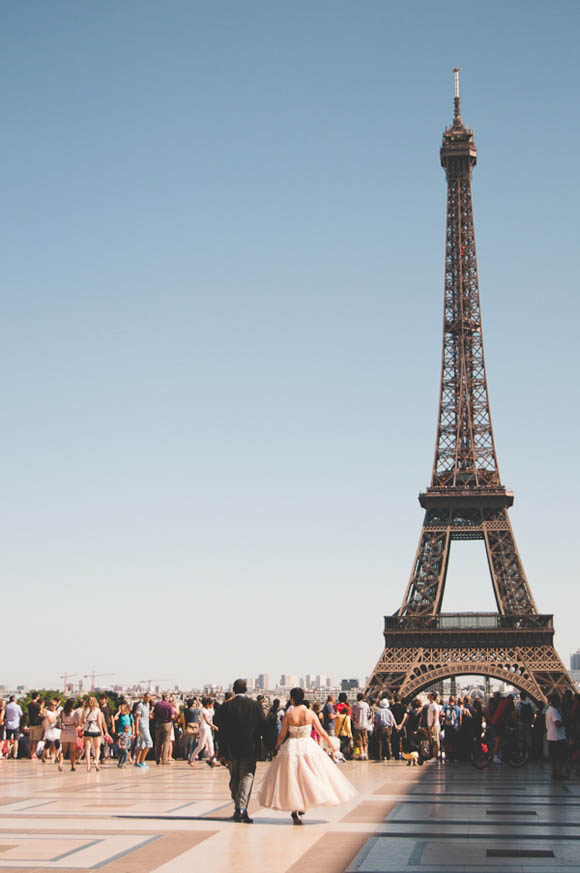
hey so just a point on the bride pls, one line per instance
(302, 775)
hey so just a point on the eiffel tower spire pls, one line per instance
(465, 450)
(457, 101)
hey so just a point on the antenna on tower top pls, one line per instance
(456, 71)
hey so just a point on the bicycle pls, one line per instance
(513, 751)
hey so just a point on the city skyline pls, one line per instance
(223, 247)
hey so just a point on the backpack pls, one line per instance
(450, 716)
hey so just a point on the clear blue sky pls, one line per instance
(222, 258)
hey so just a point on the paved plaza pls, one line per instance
(172, 819)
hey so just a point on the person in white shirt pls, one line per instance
(556, 735)
(434, 724)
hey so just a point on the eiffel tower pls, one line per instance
(466, 500)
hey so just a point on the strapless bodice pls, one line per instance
(299, 731)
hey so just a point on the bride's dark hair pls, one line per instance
(297, 695)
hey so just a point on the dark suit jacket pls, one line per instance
(242, 724)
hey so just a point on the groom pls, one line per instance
(242, 724)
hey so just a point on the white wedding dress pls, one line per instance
(302, 776)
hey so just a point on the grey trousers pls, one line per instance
(241, 780)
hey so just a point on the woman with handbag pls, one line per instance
(94, 729)
(191, 718)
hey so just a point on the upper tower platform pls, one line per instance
(458, 151)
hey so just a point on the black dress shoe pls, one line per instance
(296, 818)
(237, 816)
(245, 817)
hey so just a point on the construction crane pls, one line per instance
(65, 677)
(149, 681)
(92, 676)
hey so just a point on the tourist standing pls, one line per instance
(94, 729)
(433, 724)
(317, 710)
(163, 725)
(343, 730)
(122, 718)
(275, 718)
(2, 726)
(68, 721)
(191, 719)
(398, 709)
(412, 735)
(525, 713)
(124, 743)
(556, 735)
(108, 716)
(451, 714)
(12, 717)
(142, 731)
(361, 724)
(51, 732)
(477, 719)
(35, 716)
(384, 724)
(329, 715)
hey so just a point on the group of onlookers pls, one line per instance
(388, 729)
(428, 729)
(89, 729)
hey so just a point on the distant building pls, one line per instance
(321, 680)
(263, 682)
(348, 684)
(575, 661)
(309, 681)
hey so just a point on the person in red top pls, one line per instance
(343, 704)
(503, 714)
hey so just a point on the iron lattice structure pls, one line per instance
(466, 499)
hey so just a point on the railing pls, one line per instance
(468, 620)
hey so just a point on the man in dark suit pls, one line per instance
(242, 724)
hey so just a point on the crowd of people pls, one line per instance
(89, 731)
(428, 729)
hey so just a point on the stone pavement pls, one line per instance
(175, 819)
